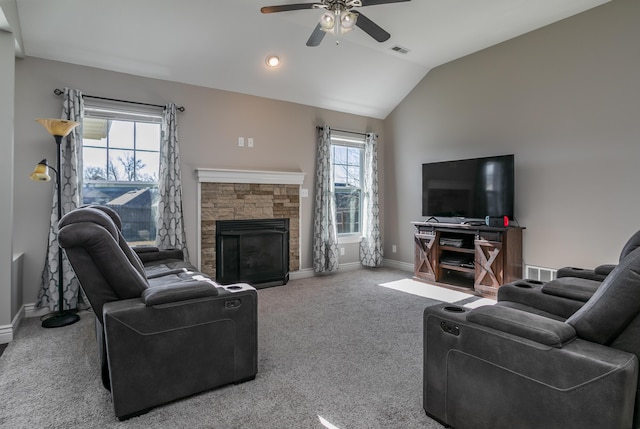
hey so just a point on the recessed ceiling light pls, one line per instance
(273, 61)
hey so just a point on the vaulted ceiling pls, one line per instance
(223, 43)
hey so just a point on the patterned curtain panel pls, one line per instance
(71, 184)
(325, 242)
(171, 234)
(371, 244)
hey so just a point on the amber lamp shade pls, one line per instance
(58, 127)
(41, 172)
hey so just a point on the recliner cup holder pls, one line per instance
(234, 287)
(527, 283)
(522, 285)
(453, 309)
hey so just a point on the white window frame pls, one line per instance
(355, 140)
(117, 111)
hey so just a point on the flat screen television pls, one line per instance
(469, 188)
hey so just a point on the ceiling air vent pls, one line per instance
(399, 49)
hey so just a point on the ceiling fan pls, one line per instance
(338, 18)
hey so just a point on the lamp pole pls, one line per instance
(62, 317)
(59, 128)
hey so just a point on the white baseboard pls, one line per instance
(398, 265)
(30, 310)
(351, 266)
(7, 332)
(305, 273)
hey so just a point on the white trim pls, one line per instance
(350, 266)
(304, 273)
(349, 238)
(221, 175)
(17, 319)
(398, 265)
(8, 332)
(30, 310)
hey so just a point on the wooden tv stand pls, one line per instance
(471, 258)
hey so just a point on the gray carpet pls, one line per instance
(335, 347)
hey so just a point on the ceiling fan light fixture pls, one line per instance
(348, 21)
(328, 21)
(338, 18)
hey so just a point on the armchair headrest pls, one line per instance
(613, 306)
(90, 214)
(632, 244)
(115, 217)
(95, 213)
(105, 264)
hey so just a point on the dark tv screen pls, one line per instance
(469, 188)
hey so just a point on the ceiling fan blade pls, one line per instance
(316, 37)
(371, 28)
(375, 2)
(287, 7)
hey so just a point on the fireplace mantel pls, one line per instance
(221, 175)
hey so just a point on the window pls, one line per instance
(121, 157)
(347, 157)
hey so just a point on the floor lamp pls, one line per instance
(58, 128)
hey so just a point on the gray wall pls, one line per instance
(565, 99)
(6, 176)
(284, 135)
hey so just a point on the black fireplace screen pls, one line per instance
(254, 251)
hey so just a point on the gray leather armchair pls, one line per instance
(563, 296)
(500, 367)
(556, 299)
(601, 271)
(167, 330)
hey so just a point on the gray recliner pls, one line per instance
(563, 296)
(168, 331)
(499, 367)
(600, 272)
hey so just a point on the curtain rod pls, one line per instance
(60, 92)
(350, 132)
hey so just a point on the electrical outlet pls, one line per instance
(250, 142)
(240, 141)
(342, 251)
(393, 248)
(304, 193)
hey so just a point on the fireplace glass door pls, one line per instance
(252, 251)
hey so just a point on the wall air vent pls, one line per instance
(399, 49)
(539, 273)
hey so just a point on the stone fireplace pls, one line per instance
(245, 195)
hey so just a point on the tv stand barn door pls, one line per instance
(476, 259)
